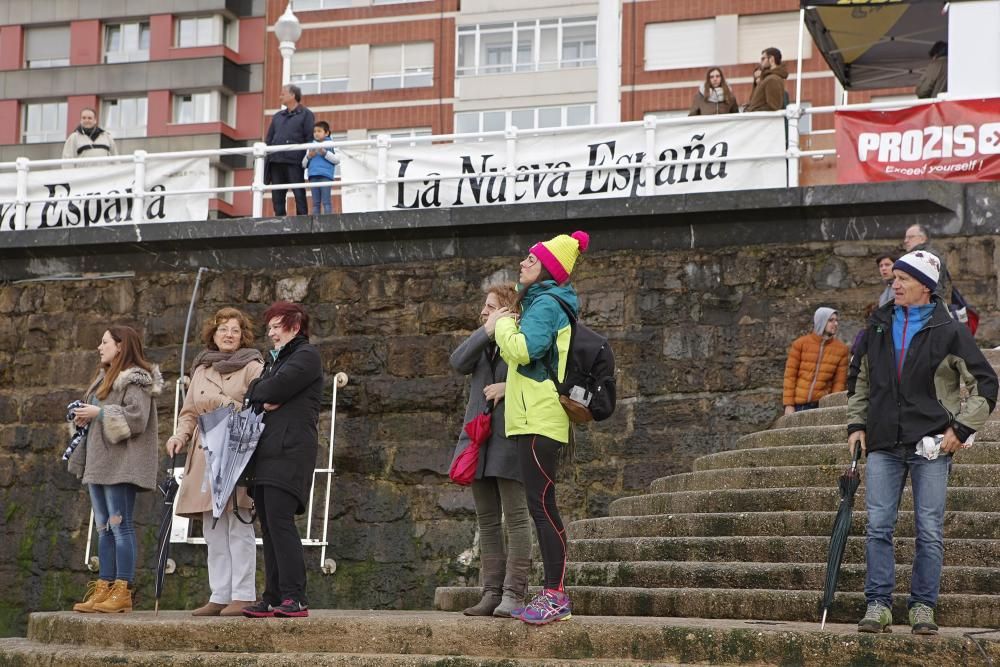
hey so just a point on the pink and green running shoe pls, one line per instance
(548, 606)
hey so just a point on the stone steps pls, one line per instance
(764, 549)
(962, 475)
(954, 609)
(819, 435)
(823, 454)
(773, 576)
(823, 416)
(769, 500)
(396, 639)
(957, 525)
(833, 400)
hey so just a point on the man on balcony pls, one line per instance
(292, 125)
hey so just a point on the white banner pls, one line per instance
(114, 183)
(576, 157)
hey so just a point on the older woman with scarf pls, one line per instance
(117, 460)
(220, 376)
(497, 489)
(535, 419)
(290, 391)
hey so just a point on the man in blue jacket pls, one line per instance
(291, 125)
(906, 411)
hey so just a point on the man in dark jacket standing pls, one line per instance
(291, 125)
(906, 412)
(769, 94)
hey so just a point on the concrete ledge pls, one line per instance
(360, 637)
(709, 220)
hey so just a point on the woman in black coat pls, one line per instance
(290, 391)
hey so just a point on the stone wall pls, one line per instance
(699, 333)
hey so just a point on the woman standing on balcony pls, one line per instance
(221, 375)
(116, 460)
(714, 96)
(534, 417)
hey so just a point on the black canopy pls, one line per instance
(876, 43)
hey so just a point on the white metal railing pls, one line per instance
(258, 152)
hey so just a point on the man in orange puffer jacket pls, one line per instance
(817, 364)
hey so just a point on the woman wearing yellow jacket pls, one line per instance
(534, 418)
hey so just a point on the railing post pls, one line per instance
(792, 115)
(649, 171)
(139, 188)
(510, 171)
(382, 143)
(257, 187)
(21, 200)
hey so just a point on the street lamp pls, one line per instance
(287, 30)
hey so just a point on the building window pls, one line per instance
(44, 121)
(309, 5)
(46, 47)
(402, 65)
(322, 71)
(470, 122)
(124, 116)
(126, 42)
(681, 44)
(526, 46)
(756, 32)
(202, 31)
(210, 107)
(398, 133)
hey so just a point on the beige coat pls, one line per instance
(209, 390)
(121, 444)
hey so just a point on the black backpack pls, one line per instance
(587, 393)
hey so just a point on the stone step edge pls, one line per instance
(25, 653)
(719, 641)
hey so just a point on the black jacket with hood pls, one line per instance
(941, 359)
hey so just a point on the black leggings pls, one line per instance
(539, 458)
(284, 562)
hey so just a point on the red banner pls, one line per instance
(955, 141)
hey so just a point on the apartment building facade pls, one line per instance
(184, 75)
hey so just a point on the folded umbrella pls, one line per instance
(168, 489)
(463, 468)
(229, 438)
(848, 484)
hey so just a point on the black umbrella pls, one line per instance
(168, 488)
(848, 483)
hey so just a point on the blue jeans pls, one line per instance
(885, 476)
(116, 545)
(321, 196)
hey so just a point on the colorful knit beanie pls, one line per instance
(559, 255)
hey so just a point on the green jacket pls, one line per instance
(542, 336)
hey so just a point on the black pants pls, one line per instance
(539, 458)
(282, 172)
(284, 563)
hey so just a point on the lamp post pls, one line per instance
(287, 30)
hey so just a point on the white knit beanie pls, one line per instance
(922, 265)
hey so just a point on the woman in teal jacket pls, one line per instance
(534, 347)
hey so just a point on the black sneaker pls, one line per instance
(259, 610)
(291, 609)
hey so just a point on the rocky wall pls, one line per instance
(700, 337)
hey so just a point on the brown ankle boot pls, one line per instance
(515, 586)
(119, 599)
(209, 609)
(235, 608)
(493, 568)
(97, 591)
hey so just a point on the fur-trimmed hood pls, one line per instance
(139, 376)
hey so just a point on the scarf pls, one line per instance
(716, 95)
(226, 362)
(92, 133)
